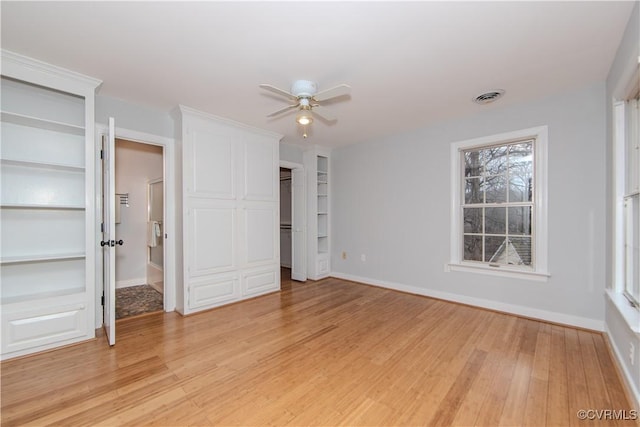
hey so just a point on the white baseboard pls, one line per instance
(131, 282)
(549, 316)
(626, 375)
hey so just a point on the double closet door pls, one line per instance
(231, 221)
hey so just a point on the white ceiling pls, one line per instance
(409, 63)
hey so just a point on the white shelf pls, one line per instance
(40, 296)
(40, 258)
(35, 122)
(41, 206)
(41, 165)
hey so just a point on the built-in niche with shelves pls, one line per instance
(323, 203)
(45, 200)
(317, 164)
(43, 192)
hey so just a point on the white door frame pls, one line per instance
(297, 166)
(169, 175)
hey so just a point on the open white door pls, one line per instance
(109, 232)
(298, 226)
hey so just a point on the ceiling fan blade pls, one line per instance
(282, 110)
(278, 91)
(323, 113)
(332, 93)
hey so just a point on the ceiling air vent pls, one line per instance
(488, 97)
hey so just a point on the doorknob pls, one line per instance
(112, 242)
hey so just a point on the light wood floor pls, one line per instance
(321, 353)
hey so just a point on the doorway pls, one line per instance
(285, 224)
(293, 259)
(139, 208)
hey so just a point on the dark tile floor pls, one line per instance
(136, 300)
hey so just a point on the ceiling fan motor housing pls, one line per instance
(304, 88)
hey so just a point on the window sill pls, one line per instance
(630, 314)
(499, 271)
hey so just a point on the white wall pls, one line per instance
(391, 202)
(136, 165)
(620, 334)
(135, 117)
(290, 153)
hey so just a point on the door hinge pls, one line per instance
(102, 299)
(102, 227)
(102, 154)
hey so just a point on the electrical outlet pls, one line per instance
(632, 352)
(344, 255)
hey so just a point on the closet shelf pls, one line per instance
(41, 258)
(35, 122)
(41, 165)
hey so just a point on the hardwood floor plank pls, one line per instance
(576, 380)
(536, 404)
(612, 380)
(324, 353)
(506, 346)
(558, 413)
(458, 391)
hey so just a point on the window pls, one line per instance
(498, 204)
(631, 200)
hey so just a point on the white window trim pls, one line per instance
(626, 88)
(540, 237)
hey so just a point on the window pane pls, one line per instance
(494, 249)
(632, 246)
(473, 191)
(495, 221)
(495, 160)
(520, 220)
(496, 189)
(521, 172)
(519, 250)
(473, 248)
(472, 220)
(472, 163)
(520, 190)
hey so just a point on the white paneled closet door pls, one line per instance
(230, 211)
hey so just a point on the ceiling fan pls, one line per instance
(307, 100)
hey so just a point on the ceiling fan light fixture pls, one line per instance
(304, 117)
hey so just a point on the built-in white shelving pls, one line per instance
(46, 206)
(9, 117)
(39, 258)
(316, 161)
